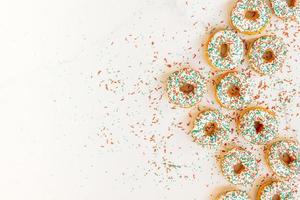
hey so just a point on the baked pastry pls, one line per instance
(283, 158)
(233, 195)
(250, 16)
(225, 50)
(239, 166)
(287, 10)
(186, 87)
(211, 128)
(275, 190)
(257, 125)
(267, 54)
(233, 90)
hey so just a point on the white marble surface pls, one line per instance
(83, 110)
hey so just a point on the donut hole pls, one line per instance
(288, 158)
(268, 56)
(276, 197)
(234, 91)
(252, 15)
(291, 3)
(211, 128)
(259, 127)
(238, 168)
(224, 50)
(187, 88)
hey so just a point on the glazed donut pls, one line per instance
(211, 128)
(233, 90)
(185, 87)
(275, 190)
(233, 195)
(258, 125)
(284, 158)
(267, 54)
(239, 166)
(250, 16)
(225, 50)
(288, 10)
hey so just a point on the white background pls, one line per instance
(82, 105)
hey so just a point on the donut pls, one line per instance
(185, 87)
(239, 166)
(258, 125)
(286, 9)
(225, 50)
(233, 195)
(211, 128)
(267, 54)
(283, 158)
(275, 190)
(250, 16)
(233, 90)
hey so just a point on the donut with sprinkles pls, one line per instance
(275, 190)
(284, 158)
(186, 87)
(211, 128)
(233, 195)
(225, 50)
(258, 125)
(239, 166)
(286, 9)
(267, 54)
(250, 16)
(233, 90)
